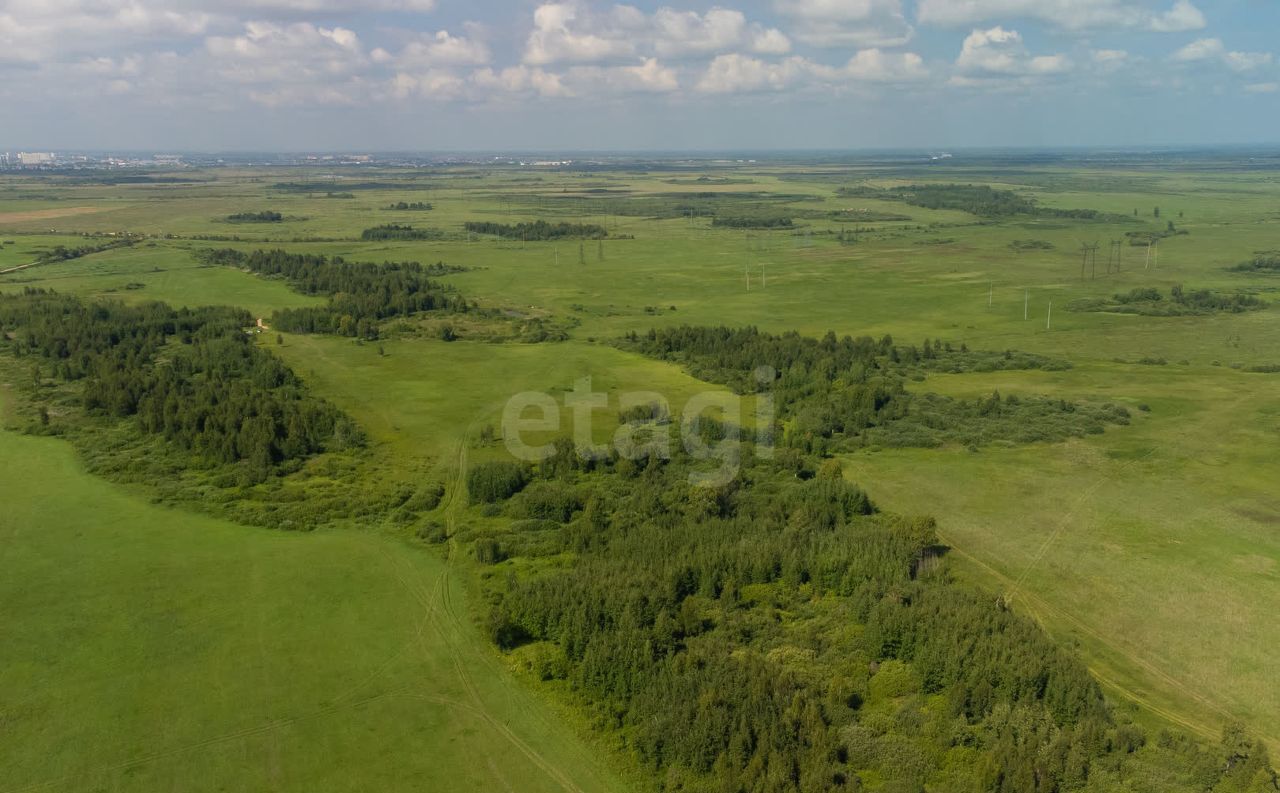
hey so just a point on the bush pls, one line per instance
(496, 481)
(546, 501)
(433, 532)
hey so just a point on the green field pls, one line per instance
(146, 649)
(1152, 549)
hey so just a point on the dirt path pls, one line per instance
(19, 267)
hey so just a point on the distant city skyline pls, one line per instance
(442, 75)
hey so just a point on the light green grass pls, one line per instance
(146, 649)
(1162, 559)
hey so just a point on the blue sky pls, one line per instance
(768, 74)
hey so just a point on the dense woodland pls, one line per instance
(539, 230)
(1263, 262)
(396, 231)
(845, 393)
(777, 633)
(981, 200)
(192, 376)
(265, 216)
(360, 294)
(752, 222)
(1149, 301)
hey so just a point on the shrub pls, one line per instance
(496, 481)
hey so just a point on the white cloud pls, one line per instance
(40, 31)
(295, 8)
(1001, 53)
(1199, 50)
(1214, 50)
(1247, 61)
(1182, 17)
(520, 80)
(333, 6)
(442, 49)
(737, 73)
(685, 32)
(562, 33)
(876, 66)
(1064, 14)
(770, 42)
(842, 23)
(1110, 61)
(570, 32)
(436, 84)
(1262, 88)
(292, 64)
(647, 77)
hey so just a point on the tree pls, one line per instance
(1156, 213)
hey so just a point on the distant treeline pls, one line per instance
(265, 216)
(61, 253)
(752, 222)
(417, 206)
(1149, 301)
(1138, 239)
(192, 376)
(360, 294)
(396, 231)
(322, 187)
(981, 200)
(1022, 246)
(539, 230)
(845, 393)
(1263, 262)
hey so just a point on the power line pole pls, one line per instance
(1048, 318)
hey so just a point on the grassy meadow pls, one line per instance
(146, 650)
(1153, 549)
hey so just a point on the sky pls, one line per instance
(582, 75)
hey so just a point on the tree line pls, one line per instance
(752, 222)
(538, 230)
(265, 216)
(191, 376)
(1262, 262)
(61, 253)
(846, 393)
(981, 200)
(397, 231)
(360, 294)
(1149, 301)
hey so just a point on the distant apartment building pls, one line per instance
(29, 158)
